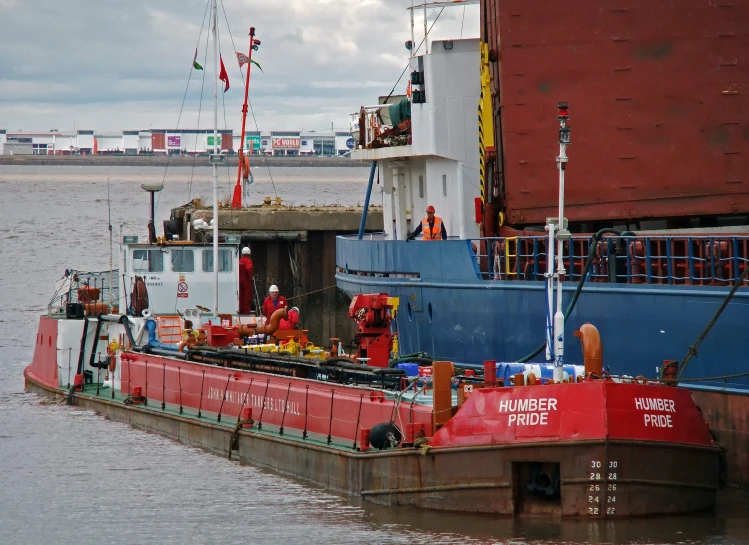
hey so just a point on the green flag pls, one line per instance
(195, 64)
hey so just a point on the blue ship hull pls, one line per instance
(448, 310)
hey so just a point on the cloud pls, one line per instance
(122, 65)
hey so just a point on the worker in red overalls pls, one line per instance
(431, 227)
(246, 290)
(273, 302)
(291, 321)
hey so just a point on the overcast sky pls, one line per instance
(113, 65)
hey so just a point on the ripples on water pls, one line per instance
(69, 476)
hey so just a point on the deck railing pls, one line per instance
(657, 259)
(87, 287)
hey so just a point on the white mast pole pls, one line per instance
(216, 151)
(413, 39)
(426, 32)
(562, 234)
(550, 293)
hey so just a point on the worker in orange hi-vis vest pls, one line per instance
(431, 227)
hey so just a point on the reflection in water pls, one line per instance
(70, 476)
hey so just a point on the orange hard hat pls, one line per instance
(430, 208)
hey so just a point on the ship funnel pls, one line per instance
(152, 189)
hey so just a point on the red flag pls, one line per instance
(223, 76)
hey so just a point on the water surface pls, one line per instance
(69, 476)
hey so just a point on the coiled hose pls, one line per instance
(422, 358)
(594, 239)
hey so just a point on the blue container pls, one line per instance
(507, 370)
(411, 369)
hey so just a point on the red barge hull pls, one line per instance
(560, 449)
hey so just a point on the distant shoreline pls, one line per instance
(173, 161)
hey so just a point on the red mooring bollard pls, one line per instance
(490, 373)
(364, 439)
(138, 398)
(246, 417)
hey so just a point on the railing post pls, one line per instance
(358, 420)
(98, 372)
(129, 368)
(200, 405)
(330, 425)
(690, 259)
(285, 405)
(179, 379)
(70, 357)
(734, 267)
(262, 409)
(221, 407)
(246, 396)
(306, 404)
(145, 401)
(163, 389)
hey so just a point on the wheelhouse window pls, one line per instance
(183, 261)
(145, 261)
(224, 260)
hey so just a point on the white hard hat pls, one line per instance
(273, 288)
(246, 250)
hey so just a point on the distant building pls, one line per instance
(174, 142)
(318, 143)
(344, 143)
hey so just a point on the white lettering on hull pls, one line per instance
(528, 412)
(271, 404)
(652, 405)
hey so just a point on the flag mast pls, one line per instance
(215, 159)
(243, 168)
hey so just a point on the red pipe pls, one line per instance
(592, 348)
(490, 372)
(268, 329)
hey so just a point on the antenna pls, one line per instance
(152, 189)
(111, 251)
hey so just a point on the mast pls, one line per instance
(237, 196)
(562, 234)
(216, 151)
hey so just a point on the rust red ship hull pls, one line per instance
(660, 102)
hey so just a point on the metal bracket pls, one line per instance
(563, 233)
(216, 159)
